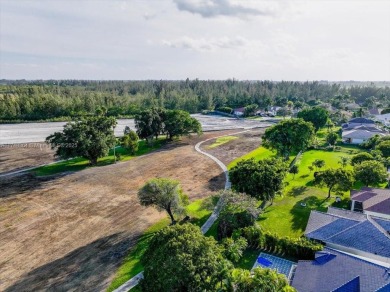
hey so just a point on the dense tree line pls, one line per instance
(35, 100)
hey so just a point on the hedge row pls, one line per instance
(299, 248)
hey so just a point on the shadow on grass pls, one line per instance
(301, 211)
(84, 269)
(343, 204)
(297, 191)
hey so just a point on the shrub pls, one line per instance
(300, 248)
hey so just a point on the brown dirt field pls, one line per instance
(246, 142)
(70, 232)
(18, 156)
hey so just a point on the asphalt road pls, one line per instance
(37, 132)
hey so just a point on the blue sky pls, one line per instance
(205, 39)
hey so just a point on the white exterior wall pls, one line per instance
(238, 113)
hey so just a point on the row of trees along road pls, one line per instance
(157, 121)
(93, 137)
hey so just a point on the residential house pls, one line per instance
(352, 232)
(239, 111)
(384, 119)
(333, 270)
(373, 202)
(359, 130)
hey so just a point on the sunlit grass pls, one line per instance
(221, 140)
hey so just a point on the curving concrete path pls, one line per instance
(210, 221)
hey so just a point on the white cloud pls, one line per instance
(207, 45)
(214, 8)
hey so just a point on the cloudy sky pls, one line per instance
(205, 39)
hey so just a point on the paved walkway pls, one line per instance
(206, 226)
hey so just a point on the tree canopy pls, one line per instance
(130, 140)
(315, 115)
(289, 136)
(164, 194)
(360, 157)
(180, 258)
(384, 148)
(371, 172)
(261, 179)
(336, 179)
(90, 138)
(259, 279)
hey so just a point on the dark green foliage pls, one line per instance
(371, 172)
(174, 123)
(384, 148)
(225, 109)
(331, 138)
(260, 179)
(164, 194)
(315, 115)
(149, 123)
(178, 123)
(90, 138)
(294, 169)
(335, 179)
(237, 210)
(36, 100)
(289, 136)
(259, 279)
(250, 110)
(130, 141)
(360, 157)
(318, 163)
(385, 111)
(234, 248)
(181, 258)
(299, 248)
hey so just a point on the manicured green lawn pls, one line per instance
(199, 211)
(257, 154)
(79, 163)
(221, 140)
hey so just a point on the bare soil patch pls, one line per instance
(18, 156)
(70, 232)
(246, 142)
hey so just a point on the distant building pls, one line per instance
(353, 232)
(239, 111)
(370, 201)
(359, 130)
(335, 271)
(384, 119)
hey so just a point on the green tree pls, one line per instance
(90, 138)
(178, 123)
(259, 279)
(164, 194)
(343, 161)
(360, 157)
(234, 248)
(250, 110)
(149, 123)
(384, 147)
(180, 258)
(294, 170)
(335, 179)
(130, 141)
(318, 163)
(289, 136)
(236, 211)
(261, 179)
(370, 172)
(331, 138)
(315, 115)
